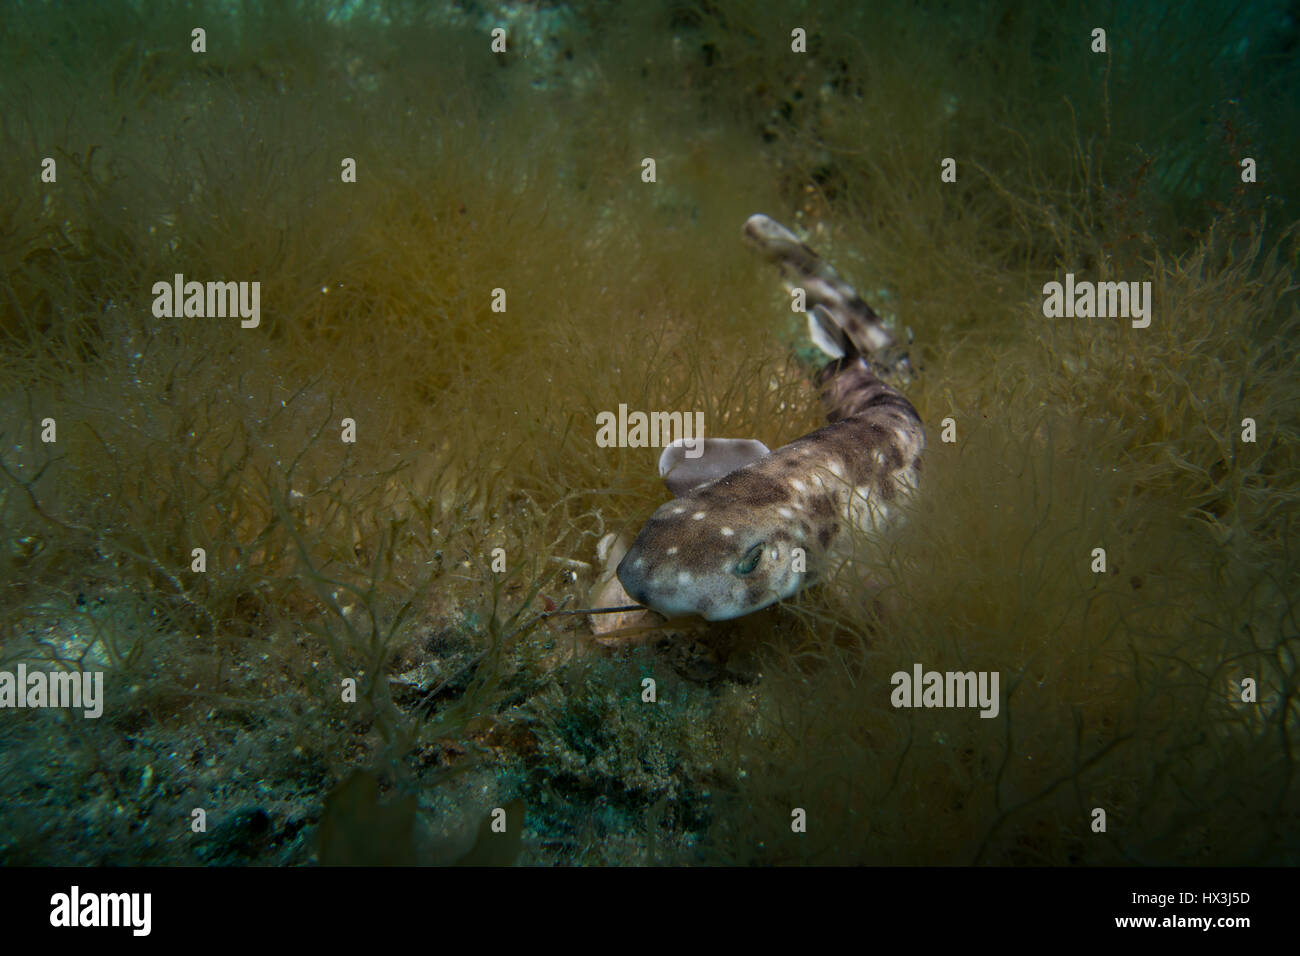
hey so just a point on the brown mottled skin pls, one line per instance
(696, 554)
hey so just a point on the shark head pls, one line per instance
(725, 547)
(700, 556)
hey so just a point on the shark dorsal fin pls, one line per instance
(685, 467)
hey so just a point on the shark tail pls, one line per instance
(841, 325)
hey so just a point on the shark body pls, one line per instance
(751, 527)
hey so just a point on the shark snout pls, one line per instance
(669, 599)
(633, 581)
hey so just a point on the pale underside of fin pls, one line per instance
(826, 333)
(684, 467)
(609, 592)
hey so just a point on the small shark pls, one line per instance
(748, 526)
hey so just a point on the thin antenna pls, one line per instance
(597, 610)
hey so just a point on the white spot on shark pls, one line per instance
(684, 577)
(727, 532)
(785, 512)
(672, 550)
(699, 515)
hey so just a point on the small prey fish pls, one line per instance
(749, 527)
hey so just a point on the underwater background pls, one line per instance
(1163, 689)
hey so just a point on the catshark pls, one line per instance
(748, 526)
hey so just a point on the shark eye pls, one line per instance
(750, 561)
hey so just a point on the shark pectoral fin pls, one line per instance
(685, 465)
(608, 591)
